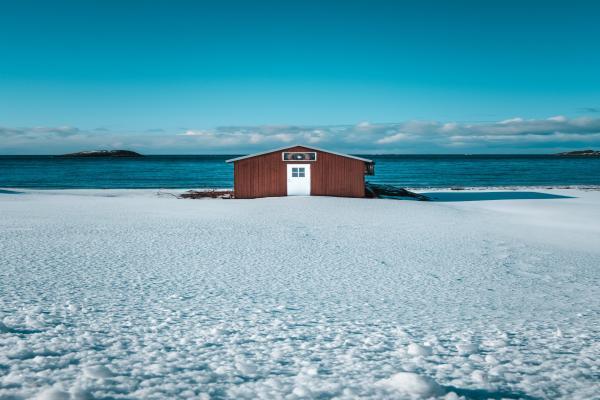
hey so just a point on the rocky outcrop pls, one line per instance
(374, 190)
(208, 193)
(103, 153)
(581, 153)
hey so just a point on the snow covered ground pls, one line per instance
(125, 294)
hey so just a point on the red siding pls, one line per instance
(331, 175)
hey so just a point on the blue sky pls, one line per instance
(234, 76)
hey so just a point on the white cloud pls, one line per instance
(511, 120)
(449, 127)
(315, 136)
(558, 118)
(516, 134)
(284, 137)
(255, 138)
(195, 133)
(392, 138)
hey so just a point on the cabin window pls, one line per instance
(299, 156)
(298, 172)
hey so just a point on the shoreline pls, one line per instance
(160, 191)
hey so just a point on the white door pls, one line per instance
(298, 179)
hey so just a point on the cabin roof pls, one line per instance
(297, 145)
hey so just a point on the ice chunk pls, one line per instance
(558, 333)
(52, 394)
(466, 349)
(245, 367)
(98, 372)
(413, 384)
(490, 359)
(479, 376)
(415, 349)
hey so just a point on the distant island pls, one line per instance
(103, 153)
(581, 153)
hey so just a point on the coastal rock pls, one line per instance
(209, 193)
(374, 190)
(103, 153)
(581, 153)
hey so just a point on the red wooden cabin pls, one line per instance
(300, 171)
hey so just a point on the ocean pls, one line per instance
(211, 171)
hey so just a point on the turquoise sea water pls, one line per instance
(204, 171)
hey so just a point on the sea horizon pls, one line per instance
(211, 171)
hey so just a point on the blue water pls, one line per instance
(212, 171)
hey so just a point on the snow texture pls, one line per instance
(125, 294)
